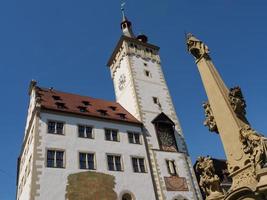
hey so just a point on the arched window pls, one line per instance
(179, 197)
(126, 196)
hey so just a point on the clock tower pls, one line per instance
(140, 87)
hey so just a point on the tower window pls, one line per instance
(114, 162)
(171, 167)
(55, 158)
(85, 131)
(134, 138)
(87, 161)
(55, 127)
(111, 135)
(147, 73)
(138, 165)
(155, 100)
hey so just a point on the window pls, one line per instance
(85, 131)
(113, 108)
(55, 158)
(147, 73)
(138, 165)
(86, 103)
(171, 167)
(102, 112)
(155, 100)
(111, 135)
(55, 127)
(56, 98)
(60, 105)
(82, 108)
(87, 160)
(127, 197)
(134, 138)
(114, 162)
(122, 115)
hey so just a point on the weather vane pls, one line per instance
(122, 8)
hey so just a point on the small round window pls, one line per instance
(127, 197)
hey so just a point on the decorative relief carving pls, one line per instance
(254, 144)
(244, 178)
(176, 183)
(209, 181)
(237, 101)
(210, 120)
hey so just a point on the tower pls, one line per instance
(140, 87)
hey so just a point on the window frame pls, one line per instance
(138, 164)
(114, 162)
(87, 152)
(111, 136)
(134, 139)
(173, 162)
(56, 121)
(85, 126)
(147, 73)
(55, 158)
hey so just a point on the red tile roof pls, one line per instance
(53, 100)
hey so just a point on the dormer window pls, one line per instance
(56, 98)
(122, 115)
(60, 105)
(82, 108)
(113, 108)
(86, 103)
(102, 112)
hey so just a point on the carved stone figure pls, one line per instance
(237, 101)
(197, 48)
(209, 181)
(254, 144)
(210, 120)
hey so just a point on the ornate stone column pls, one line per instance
(225, 114)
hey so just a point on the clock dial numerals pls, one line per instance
(122, 81)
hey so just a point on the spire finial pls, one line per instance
(123, 9)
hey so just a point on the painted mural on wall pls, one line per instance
(90, 186)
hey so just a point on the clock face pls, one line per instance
(122, 81)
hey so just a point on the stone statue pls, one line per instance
(210, 120)
(254, 144)
(209, 181)
(237, 101)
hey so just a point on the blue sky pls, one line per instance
(66, 44)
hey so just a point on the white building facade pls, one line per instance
(137, 139)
